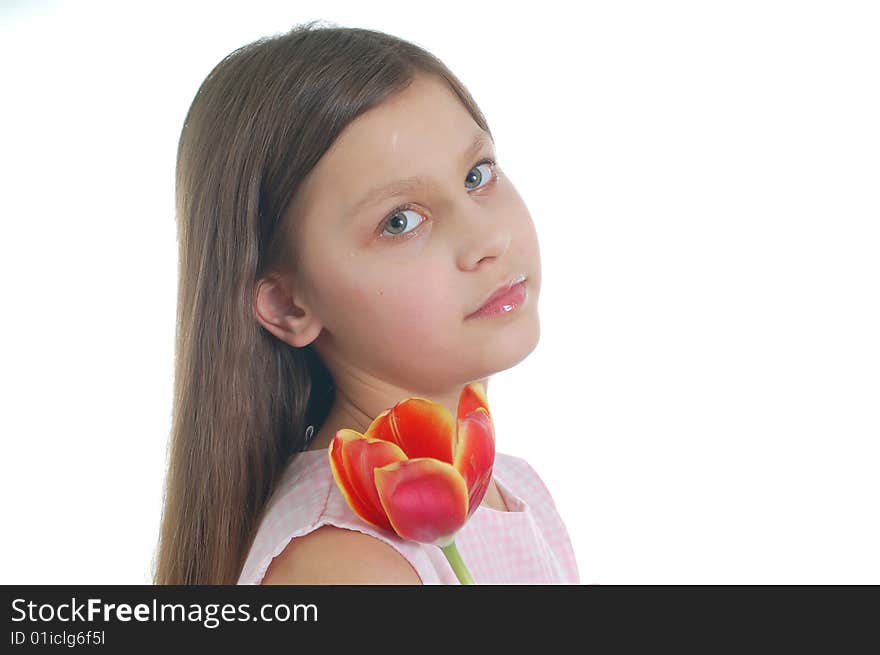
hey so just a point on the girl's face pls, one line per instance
(386, 293)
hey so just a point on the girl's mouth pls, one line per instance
(504, 301)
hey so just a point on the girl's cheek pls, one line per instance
(415, 307)
(411, 301)
(379, 299)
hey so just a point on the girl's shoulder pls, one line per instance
(307, 499)
(330, 555)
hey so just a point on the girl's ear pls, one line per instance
(278, 310)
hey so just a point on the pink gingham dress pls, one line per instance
(527, 545)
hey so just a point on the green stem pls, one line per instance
(452, 555)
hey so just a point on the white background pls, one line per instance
(703, 176)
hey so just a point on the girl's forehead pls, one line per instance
(397, 145)
(427, 113)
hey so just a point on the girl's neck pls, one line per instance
(346, 413)
(338, 418)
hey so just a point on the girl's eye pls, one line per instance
(398, 224)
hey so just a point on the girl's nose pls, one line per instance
(482, 237)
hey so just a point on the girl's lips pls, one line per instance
(504, 301)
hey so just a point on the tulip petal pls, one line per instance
(425, 499)
(421, 427)
(381, 428)
(475, 454)
(352, 460)
(341, 476)
(472, 396)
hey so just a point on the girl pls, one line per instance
(346, 240)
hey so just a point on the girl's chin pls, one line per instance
(507, 348)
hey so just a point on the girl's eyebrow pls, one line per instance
(410, 184)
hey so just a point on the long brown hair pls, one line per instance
(243, 398)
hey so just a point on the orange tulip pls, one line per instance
(418, 472)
